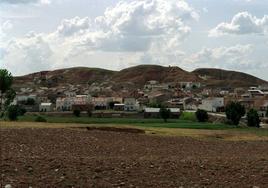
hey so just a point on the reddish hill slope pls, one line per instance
(77, 75)
(143, 73)
(138, 76)
(225, 78)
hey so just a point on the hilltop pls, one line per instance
(136, 77)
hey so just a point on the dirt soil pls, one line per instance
(97, 158)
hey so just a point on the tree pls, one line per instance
(165, 113)
(253, 118)
(22, 111)
(89, 113)
(234, 111)
(6, 80)
(13, 112)
(266, 112)
(9, 97)
(77, 113)
(201, 115)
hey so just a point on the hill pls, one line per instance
(226, 78)
(77, 75)
(136, 77)
(139, 75)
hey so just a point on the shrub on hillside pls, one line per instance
(201, 115)
(40, 119)
(77, 113)
(253, 118)
(234, 111)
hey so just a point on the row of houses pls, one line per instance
(72, 101)
(213, 104)
(83, 102)
(67, 101)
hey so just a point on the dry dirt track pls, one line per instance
(93, 158)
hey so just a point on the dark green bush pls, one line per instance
(77, 113)
(234, 111)
(22, 111)
(40, 119)
(253, 118)
(89, 113)
(13, 112)
(201, 115)
(165, 113)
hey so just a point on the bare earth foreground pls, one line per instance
(65, 157)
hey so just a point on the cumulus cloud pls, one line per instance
(4, 28)
(7, 25)
(242, 23)
(31, 53)
(132, 26)
(136, 29)
(71, 26)
(236, 57)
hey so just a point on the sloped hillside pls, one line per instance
(143, 73)
(136, 77)
(77, 75)
(225, 78)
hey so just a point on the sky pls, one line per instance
(40, 35)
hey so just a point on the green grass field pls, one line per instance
(146, 123)
(172, 123)
(174, 127)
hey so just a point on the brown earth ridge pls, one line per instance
(137, 76)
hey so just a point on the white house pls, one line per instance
(101, 103)
(254, 92)
(46, 107)
(190, 103)
(64, 104)
(131, 104)
(212, 104)
(82, 99)
(23, 98)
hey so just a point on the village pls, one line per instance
(102, 101)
